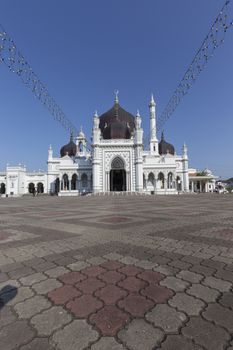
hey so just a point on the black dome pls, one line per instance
(117, 123)
(69, 149)
(165, 147)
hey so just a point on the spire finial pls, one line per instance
(116, 92)
(138, 114)
(81, 128)
(162, 136)
(152, 101)
(96, 114)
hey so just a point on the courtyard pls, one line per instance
(116, 272)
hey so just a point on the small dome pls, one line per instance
(165, 147)
(69, 149)
(117, 123)
(207, 172)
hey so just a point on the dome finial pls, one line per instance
(71, 136)
(162, 136)
(116, 92)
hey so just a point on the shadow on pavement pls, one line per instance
(7, 293)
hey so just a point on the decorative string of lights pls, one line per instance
(15, 61)
(212, 41)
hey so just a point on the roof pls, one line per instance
(117, 123)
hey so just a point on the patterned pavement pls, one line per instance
(116, 273)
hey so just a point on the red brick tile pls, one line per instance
(84, 306)
(111, 277)
(157, 293)
(109, 320)
(132, 284)
(151, 276)
(90, 285)
(136, 305)
(130, 270)
(72, 277)
(112, 265)
(110, 294)
(93, 271)
(63, 294)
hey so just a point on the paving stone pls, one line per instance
(186, 303)
(174, 283)
(167, 318)
(90, 285)
(38, 344)
(11, 267)
(75, 336)
(34, 278)
(50, 320)
(160, 260)
(214, 264)
(203, 270)
(3, 277)
(222, 286)
(46, 286)
(112, 265)
(84, 306)
(78, 266)
(146, 264)
(190, 276)
(136, 305)
(202, 292)
(93, 271)
(32, 306)
(25, 271)
(111, 277)
(130, 270)
(56, 272)
(128, 260)
(22, 294)
(166, 270)
(225, 275)
(174, 342)
(113, 256)
(109, 320)
(141, 335)
(6, 316)
(198, 330)
(110, 294)
(220, 316)
(132, 284)
(63, 294)
(227, 300)
(107, 343)
(96, 260)
(15, 334)
(45, 266)
(180, 264)
(150, 276)
(157, 293)
(65, 260)
(72, 277)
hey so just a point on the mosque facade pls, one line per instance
(117, 162)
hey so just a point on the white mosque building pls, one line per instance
(117, 162)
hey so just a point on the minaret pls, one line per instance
(185, 168)
(138, 144)
(81, 143)
(96, 133)
(50, 153)
(153, 138)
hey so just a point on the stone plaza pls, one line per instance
(119, 272)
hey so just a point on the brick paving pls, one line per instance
(116, 273)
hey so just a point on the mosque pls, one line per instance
(117, 162)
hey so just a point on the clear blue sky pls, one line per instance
(84, 50)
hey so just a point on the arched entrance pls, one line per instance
(2, 188)
(40, 187)
(31, 187)
(117, 175)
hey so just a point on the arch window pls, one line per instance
(74, 182)
(161, 180)
(65, 182)
(2, 188)
(31, 187)
(170, 180)
(117, 163)
(151, 179)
